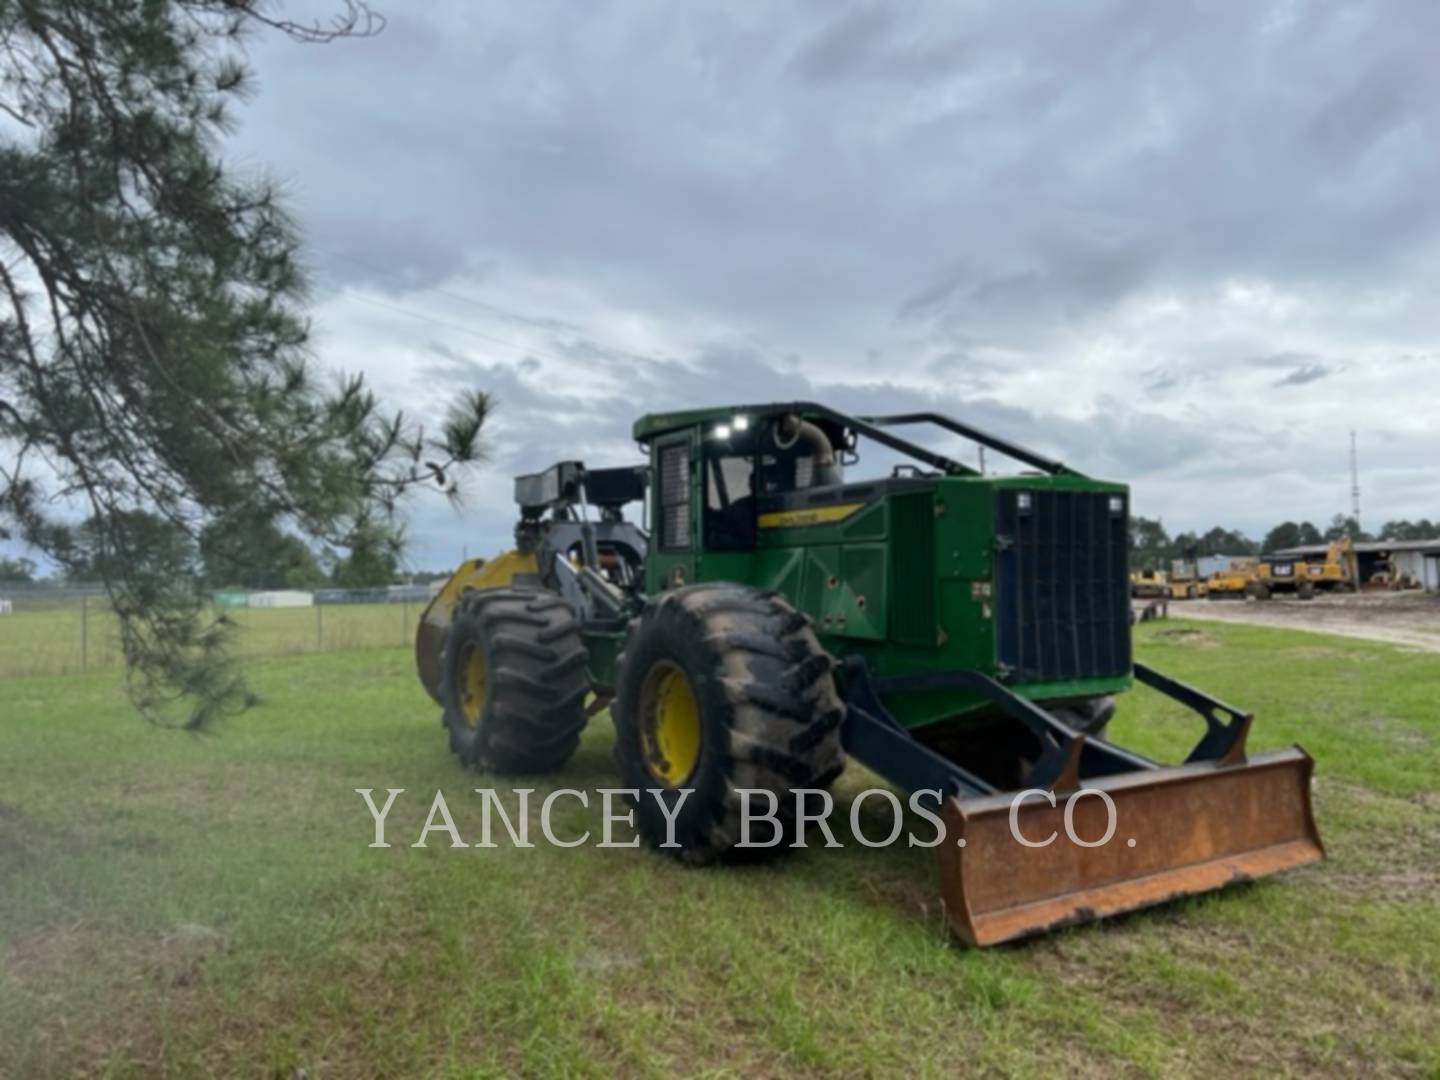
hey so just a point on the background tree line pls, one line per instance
(1152, 546)
(257, 554)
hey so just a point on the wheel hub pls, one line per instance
(473, 678)
(670, 727)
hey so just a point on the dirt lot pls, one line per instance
(1408, 618)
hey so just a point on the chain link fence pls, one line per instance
(47, 630)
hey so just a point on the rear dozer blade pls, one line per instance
(435, 619)
(1178, 831)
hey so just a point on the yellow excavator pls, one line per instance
(1337, 571)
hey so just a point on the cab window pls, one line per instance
(784, 471)
(729, 501)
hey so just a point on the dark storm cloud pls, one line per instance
(1159, 379)
(552, 423)
(1301, 368)
(540, 421)
(1302, 375)
(1065, 159)
(1084, 225)
(868, 41)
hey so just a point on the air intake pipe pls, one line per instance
(790, 429)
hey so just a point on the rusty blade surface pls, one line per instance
(1194, 828)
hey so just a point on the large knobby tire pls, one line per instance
(723, 687)
(514, 680)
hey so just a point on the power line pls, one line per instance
(481, 304)
(526, 349)
(397, 276)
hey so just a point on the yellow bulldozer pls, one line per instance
(1232, 582)
(1181, 582)
(1185, 580)
(1274, 574)
(1149, 584)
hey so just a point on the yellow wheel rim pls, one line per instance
(472, 686)
(669, 725)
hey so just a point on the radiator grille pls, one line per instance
(1061, 590)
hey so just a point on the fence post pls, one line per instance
(404, 618)
(84, 630)
(319, 628)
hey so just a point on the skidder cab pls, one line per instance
(958, 633)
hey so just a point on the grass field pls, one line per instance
(208, 906)
(64, 638)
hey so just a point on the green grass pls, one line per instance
(208, 905)
(64, 639)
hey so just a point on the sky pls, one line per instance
(1186, 246)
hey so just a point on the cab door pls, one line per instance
(675, 512)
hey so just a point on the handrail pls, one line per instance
(994, 442)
